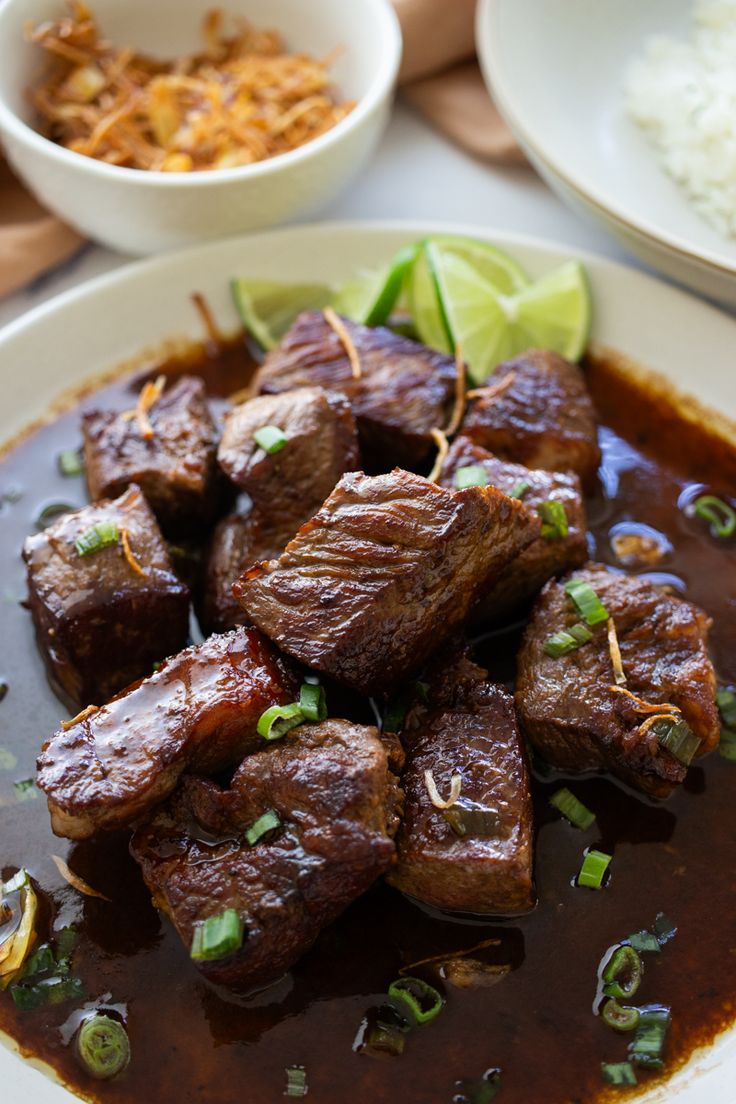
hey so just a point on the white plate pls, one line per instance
(107, 321)
(555, 69)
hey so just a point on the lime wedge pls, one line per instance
(371, 298)
(555, 312)
(425, 305)
(268, 309)
(490, 262)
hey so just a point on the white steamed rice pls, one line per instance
(683, 94)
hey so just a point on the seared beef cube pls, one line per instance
(475, 856)
(238, 541)
(198, 712)
(172, 459)
(404, 389)
(544, 418)
(321, 445)
(548, 555)
(335, 799)
(104, 618)
(383, 574)
(572, 708)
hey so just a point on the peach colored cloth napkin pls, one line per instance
(438, 76)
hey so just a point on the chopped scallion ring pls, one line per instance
(278, 720)
(618, 1073)
(519, 489)
(593, 870)
(422, 999)
(383, 1033)
(270, 438)
(313, 702)
(720, 516)
(265, 823)
(644, 942)
(620, 1017)
(566, 640)
(296, 1081)
(471, 476)
(103, 1046)
(622, 973)
(101, 535)
(217, 936)
(70, 462)
(678, 738)
(572, 809)
(53, 511)
(554, 519)
(586, 601)
(651, 1032)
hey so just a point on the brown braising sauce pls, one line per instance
(192, 1043)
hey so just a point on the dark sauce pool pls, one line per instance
(193, 1043)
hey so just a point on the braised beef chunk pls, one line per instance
(169, 451)
(383, 574)
(544, 418)
(335, 801)
(573, 710)
(321, 444)
(238, 541)
(103, 618)
(403, 391)
(548, 555)
(475, 856)
(198, 712)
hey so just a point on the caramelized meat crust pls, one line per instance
(239, 541)
(569, 706)
(198, 712)
(336, 801)
(383, 574)
(103, 619)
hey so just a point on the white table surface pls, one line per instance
(415, 174)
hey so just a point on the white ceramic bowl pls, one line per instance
(555, 69)
(146, 212)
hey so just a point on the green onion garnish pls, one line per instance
(586, 601)
(572, 809)
(566, 640)
(101, 535)
(313, 702)
(217, 936)
(8, 761)
(103, 1046)
(720, 516)
(622, 973)
(519, 489)
(53, 990)
(664, 928)
(278, 720)
(646, 1049)
(296, 1081)
(678, 738)
(618, 1073)
(383, 1033)
(726, 701)
(592, 872)
(53, 511)
(25, 790)
(554, 519)
(479, 1090)
(471, 476)
(644, 942)
(270, 438)
(473, 822)
(422, 1000)
(265, 823)
(70, 462)
(42, 961)
(621, 1017)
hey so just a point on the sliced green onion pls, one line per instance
(70, 462)
(478, 1090)
(519, 489)
(53, 511)
(644, 942)
(678, 738)
(25, 790)
(422, 999)
(3, 689)
(42, 961)
(383, 1033)
(103, 1046)
(265, 823)
(54, 990)
(217, 936)
(101, 535)
(278, 720)
(554, 519)
(621, 1017)
(648, 1045)
(471, 476)
(27, 997)
(586, 601)
(572, 809)
(618, 1073)
(296, 1081)
(720, 516)
(8, 761)
(270, 438)
(664, 928)
(65, 943)
(313, 702)
(566, 640)
(592, 872)
(473, 822)
(726, 701)
(622, 973)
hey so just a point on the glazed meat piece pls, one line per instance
(571, 707)
(239, 541)
(544, 417)
(383, 574)
(336, 802)
(403, 391)
(321, 444)
(105, 617)
(548, 555)
(198, 712)
(475, 856)
(169, 450)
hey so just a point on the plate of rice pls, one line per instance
(628, 110)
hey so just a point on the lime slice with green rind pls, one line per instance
(425, 306)
(371, 298)
(490, 262)
(267, 308)
(555, 311)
